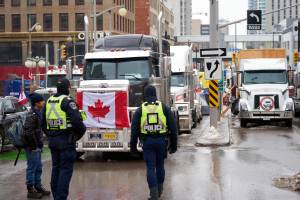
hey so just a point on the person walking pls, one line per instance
(33, 145)
(63, 126)
(153, 123)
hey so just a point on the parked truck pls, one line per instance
(54, 74)
(184, 82)
(263, 86)
(120, 64)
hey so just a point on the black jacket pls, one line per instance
(62, 138)
(32, 130)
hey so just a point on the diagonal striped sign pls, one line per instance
(213, 94)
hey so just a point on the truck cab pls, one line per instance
(183, 87)
(263, 88)
(125, 63)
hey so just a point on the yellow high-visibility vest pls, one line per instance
(153, 119)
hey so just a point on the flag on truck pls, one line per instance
(105, 110)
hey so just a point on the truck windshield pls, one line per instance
(133, 69)
(265, 77)
(177, 80)
(52, 80)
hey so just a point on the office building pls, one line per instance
(60, 20)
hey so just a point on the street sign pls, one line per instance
(254, 20)
(213, 52)
(213, 94)
(213, 69)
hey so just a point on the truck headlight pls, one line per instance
(243, 106)
(289, 106)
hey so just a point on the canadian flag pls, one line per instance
(105, 110)
(22, 98)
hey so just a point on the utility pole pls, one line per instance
(214, 35)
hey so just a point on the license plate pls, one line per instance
(266, 119)
(95, 136)
(109, 136)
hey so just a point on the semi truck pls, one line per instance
(121, 64)
(263, 86)
(54, 74)
(183, 87)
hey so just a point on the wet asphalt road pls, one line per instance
(242, 171)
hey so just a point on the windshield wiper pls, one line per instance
(132, 75)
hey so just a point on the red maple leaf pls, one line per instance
(98, 110)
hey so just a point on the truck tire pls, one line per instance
(289, 123)
(243, 123)
(195, 119)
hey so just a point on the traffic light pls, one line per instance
(63, 52)
(295, 56)
(234, 57)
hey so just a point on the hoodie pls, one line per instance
(150, 96)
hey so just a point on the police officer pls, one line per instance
(151, 123)
(64, 126)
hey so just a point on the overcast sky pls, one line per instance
(228, 10)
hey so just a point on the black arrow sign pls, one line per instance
(216, 68)
(213, 52)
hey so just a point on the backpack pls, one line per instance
(17, 135)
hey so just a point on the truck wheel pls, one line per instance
(195, 120)
(243, 123)
(289, 123)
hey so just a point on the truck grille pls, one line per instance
(257, 97)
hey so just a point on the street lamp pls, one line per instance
(36, 62)
(122, 13)
(37, 27)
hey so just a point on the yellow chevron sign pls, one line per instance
(213, 94)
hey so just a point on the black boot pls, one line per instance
(42, 190)
(160, 189)
(33, 194)
(153, 193)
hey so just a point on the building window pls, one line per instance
(2, 23)
(31, 20)
(79, 21)
(16, 23)
(11, 52)
(99, 2)
(63, 22)
(2, 3)
(79, 2)
(15, 3)
(39, 49)
(31, 2)
(100, 23)
(63, 2)
(47, 2)
(47, 22)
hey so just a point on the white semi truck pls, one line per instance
(263, 86)
(124, 63)
(183, 88)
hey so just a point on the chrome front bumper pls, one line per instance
(260, 115)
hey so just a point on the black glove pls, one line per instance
(134, 153)
(172, 149)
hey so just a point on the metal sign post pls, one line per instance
(214, 35)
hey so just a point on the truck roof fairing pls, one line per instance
(117, 54)
(263, 64)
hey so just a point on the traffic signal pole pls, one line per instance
(214, 35)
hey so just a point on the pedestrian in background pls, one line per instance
(64, 126)
(33, 145)
(153, 123)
